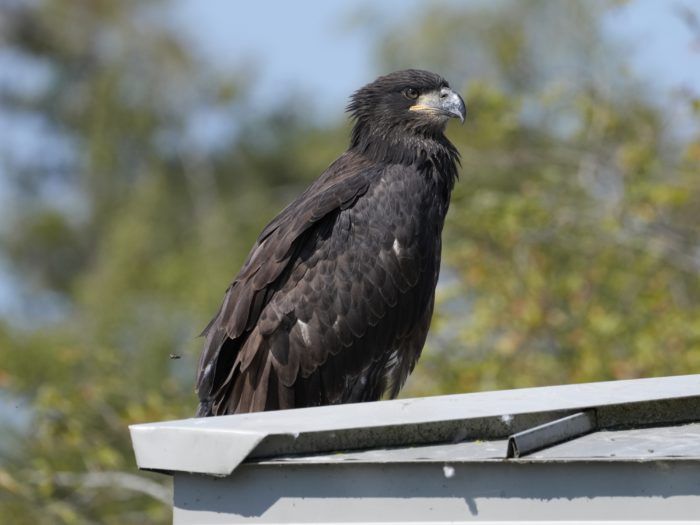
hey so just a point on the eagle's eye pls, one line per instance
(411, 93)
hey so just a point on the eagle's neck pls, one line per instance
(423, 148)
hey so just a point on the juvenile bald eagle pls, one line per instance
(334, 301)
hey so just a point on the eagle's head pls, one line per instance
(407, 101)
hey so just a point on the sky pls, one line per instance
(307, 47)
(296, 44)
(299, 44)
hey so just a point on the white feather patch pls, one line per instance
(304, 328)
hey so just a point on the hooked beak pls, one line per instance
(444, 102)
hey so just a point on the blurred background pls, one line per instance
(143, 146)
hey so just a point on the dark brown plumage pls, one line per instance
(334, 301)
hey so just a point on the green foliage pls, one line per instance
(132, 234)
(570, 252)
(571, 247)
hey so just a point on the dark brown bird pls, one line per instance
(334, 301)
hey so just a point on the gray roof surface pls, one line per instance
(638, 444)
(464, 427)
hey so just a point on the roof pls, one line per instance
(639, 444)
(630, 420)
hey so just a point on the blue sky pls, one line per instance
(299, 44)
(296, 44)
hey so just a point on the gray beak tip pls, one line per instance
(454, 105)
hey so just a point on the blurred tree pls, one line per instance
(571, 251)
(127, 222)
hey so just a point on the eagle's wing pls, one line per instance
(262, 273)
(300, 325)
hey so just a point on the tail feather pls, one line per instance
(204, 409)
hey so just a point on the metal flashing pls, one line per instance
(552, 433)
(217, 446)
